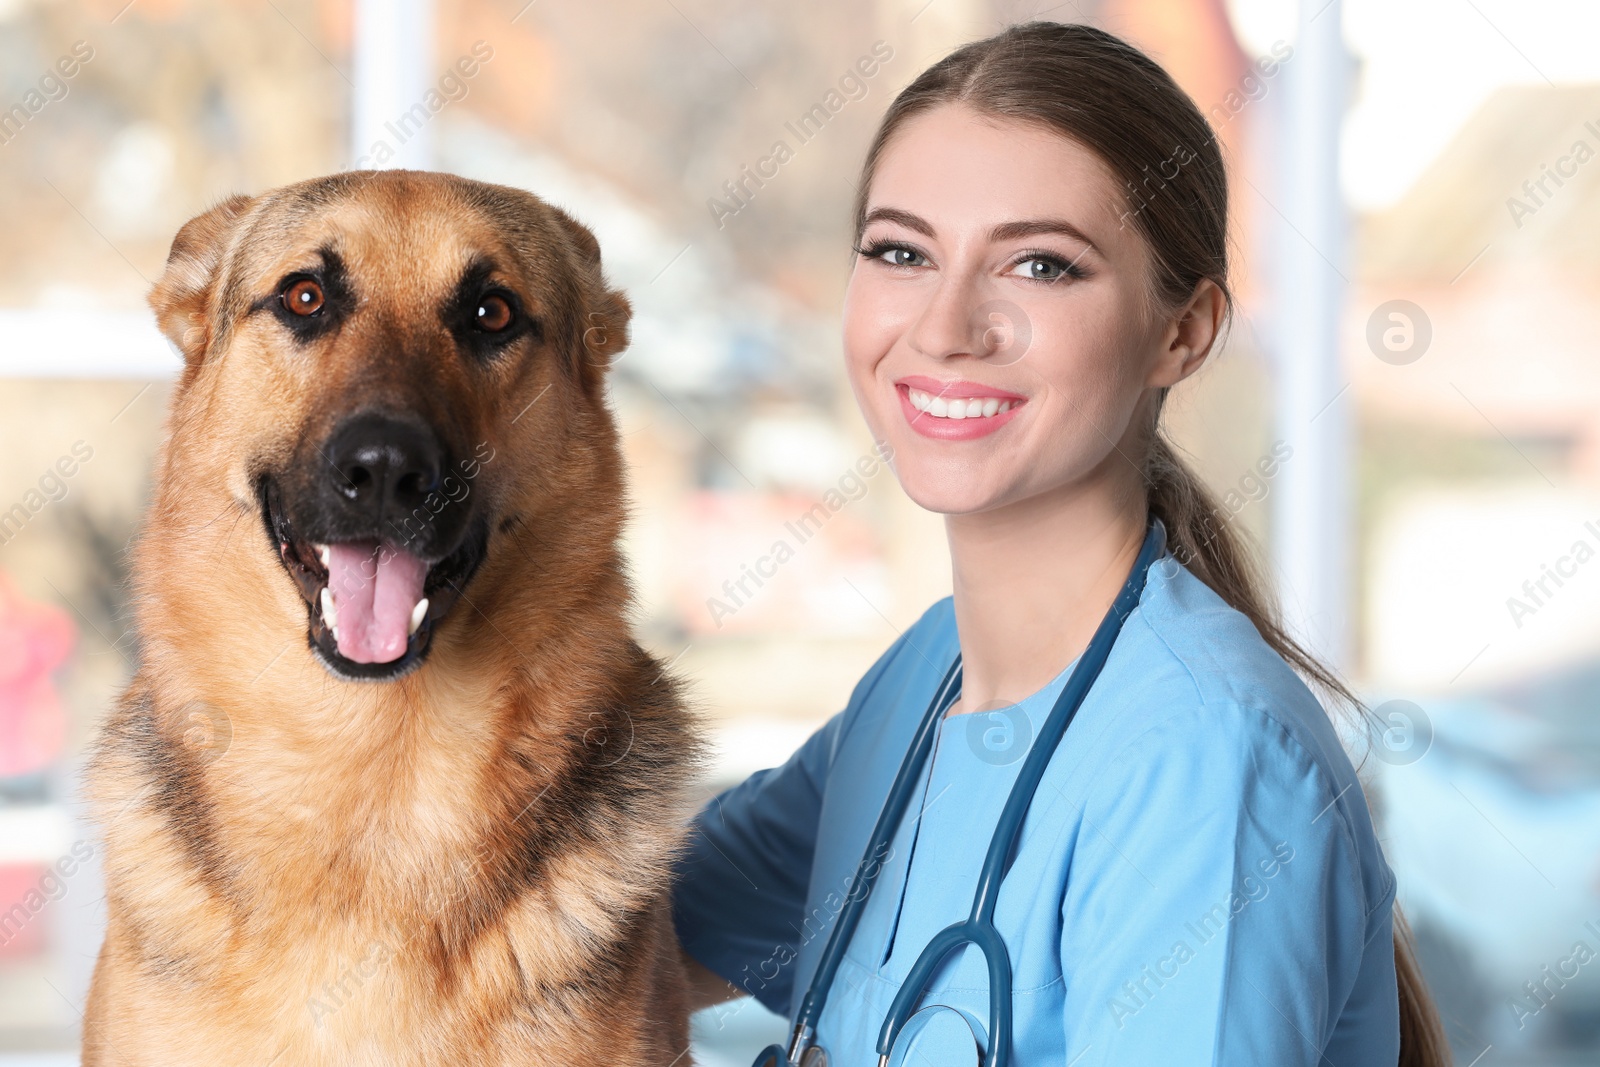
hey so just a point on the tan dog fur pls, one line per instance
(464, 865)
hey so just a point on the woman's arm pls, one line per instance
(740, 886)
(706, 988)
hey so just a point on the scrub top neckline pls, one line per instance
(1050, 689)
(999, 737)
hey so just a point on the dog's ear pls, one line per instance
(182, 298)
(604, 312)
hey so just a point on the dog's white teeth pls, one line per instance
(416, 615)
(329, 615)
(322, 554)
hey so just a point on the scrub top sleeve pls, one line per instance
(741, 885)
(1214, 911)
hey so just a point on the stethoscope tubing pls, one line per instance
(894, 806)
(978, 928)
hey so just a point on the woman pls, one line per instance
(1041, 254)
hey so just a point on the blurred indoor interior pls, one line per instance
(1417, 243)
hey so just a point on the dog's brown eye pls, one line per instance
(494, 314)
(304, 297)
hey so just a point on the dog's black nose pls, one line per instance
(380, 464)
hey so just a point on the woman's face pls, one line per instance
(997, 328)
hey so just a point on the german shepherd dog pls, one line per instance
(393, 782)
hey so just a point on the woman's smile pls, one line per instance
(991, 252)
(955, 410)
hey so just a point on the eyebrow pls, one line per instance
(1006, 231)
(327, 259)
(1010, 231)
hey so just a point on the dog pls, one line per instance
(393, 783)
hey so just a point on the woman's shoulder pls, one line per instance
(922, 650)
(1184, 654)
(905, 673)
(1201, 691)
(1222, 655)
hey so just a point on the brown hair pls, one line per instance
(1108, 96)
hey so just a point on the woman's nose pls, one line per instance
(961, 319)
(945, 328)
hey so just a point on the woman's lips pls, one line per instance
(955, 387)
(930, 407)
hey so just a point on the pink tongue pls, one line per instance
(374, 590)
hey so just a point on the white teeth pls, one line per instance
(329, 615)
(322, 554)
(416, 615)
(958, 407)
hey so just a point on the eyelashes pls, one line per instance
(878, 249)
(1064, 268)
(1067, 268)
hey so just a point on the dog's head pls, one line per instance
(388, 368)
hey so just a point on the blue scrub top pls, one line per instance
(1198, 880)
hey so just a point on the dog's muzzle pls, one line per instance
(377, 547)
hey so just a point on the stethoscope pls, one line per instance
(978, 928)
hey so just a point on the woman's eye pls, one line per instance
(1040, 269)
(902, 257)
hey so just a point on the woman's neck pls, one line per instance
(1032, 582)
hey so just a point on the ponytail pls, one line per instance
(1222, 558)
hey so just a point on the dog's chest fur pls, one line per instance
(393, 923)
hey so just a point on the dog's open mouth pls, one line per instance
(372, 603)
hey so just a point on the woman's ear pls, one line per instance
(1189, 334)
(181, 299)
(604, 312)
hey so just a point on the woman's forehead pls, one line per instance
(963, 170)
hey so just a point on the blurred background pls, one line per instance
(1406, 414)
